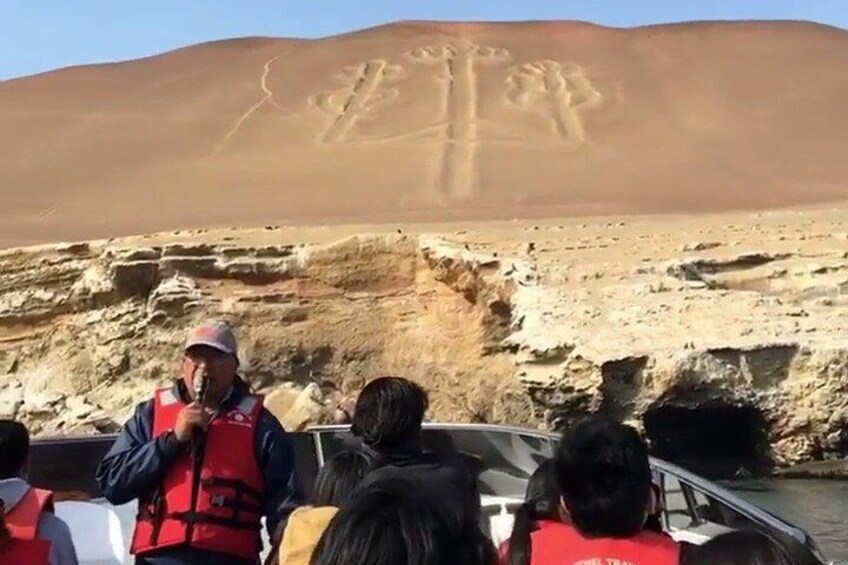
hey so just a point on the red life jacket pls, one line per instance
(25, 552)
(226, 517)
(560, 544)
(24, 548)
(503, 548)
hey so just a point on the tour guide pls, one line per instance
(205, 460)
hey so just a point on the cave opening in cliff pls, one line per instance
(718, 439)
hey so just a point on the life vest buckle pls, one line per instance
(217, 500)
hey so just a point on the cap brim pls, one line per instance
(211, 344)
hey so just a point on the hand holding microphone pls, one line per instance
(194, 415)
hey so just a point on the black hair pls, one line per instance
(541, 502)
(749, 547)
(14, 448)
(394, 520)
(604, 476)
(389, 412)
(339, 476)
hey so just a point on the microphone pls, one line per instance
(201, 387)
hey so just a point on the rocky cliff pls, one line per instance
(723, 335)
(89, 329)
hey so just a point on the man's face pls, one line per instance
(218, 367)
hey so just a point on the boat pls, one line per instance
(502, 457)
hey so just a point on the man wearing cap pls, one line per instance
(205, 460)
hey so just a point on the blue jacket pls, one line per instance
(136, 464)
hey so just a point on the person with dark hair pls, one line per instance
(749, 547)
(389, 412)
(396, 521)
(604, 476)
(541, 507)
(387, 419)
(30, 532)
(206, 461)
(334, 484)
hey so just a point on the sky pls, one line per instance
(41, 35)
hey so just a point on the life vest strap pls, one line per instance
(156, 515)
(239, 486)
(219, 501)
(152, 512)
(191, 518)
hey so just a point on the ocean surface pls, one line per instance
(820, 507)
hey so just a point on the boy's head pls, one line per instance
(14, 448)
(605, 479)
(389, 412)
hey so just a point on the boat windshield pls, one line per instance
(502, 460)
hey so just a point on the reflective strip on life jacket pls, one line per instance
(167, 398)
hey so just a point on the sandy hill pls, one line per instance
(421, 121)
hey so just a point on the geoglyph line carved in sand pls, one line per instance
(559, 90)
(456, 161)
(267, 98)
(363, 93)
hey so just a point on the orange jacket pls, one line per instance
(305, 527)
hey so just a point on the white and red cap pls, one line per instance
(218, 335)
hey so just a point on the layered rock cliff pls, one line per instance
(88, 330)
(723, 335)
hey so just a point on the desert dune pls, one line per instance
(424, 121)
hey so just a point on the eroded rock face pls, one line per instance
(746, 333)
(717, 335)
(88, 338)
(297, 409)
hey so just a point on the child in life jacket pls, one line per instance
(30, 533)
